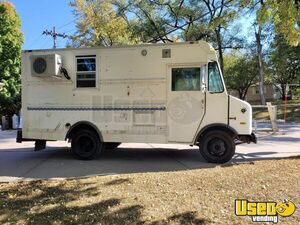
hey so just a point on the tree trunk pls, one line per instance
(283, 88)
(241, 95)
(220, 50)
(260, 66)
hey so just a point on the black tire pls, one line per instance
(112, 145)
(217, 146)
(86, 144)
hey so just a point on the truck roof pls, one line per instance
(203, 43)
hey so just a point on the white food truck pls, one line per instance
(97, 98)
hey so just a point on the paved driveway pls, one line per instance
(18, 161)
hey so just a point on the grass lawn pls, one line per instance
(292, 111)
(202, 196)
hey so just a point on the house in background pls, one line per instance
(272, 93)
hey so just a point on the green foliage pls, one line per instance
(150, 21)
(177, 20)
(240, 72)
(285, 15)
(285, 62)
(99, 24)
(11, 40)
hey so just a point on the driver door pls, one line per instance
(216, 97)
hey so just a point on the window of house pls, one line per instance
(215, 84)
(257, 90)
(186, 79)
(85, 71)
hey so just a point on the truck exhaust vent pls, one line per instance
(166, 53)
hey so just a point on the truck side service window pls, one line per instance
(215, 83)
(186, 79)
(85, 71)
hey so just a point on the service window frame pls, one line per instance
(87, 72)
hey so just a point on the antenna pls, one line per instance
(54, 34)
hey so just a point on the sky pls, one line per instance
(38, 15)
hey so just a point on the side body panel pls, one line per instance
(129, 104)
(240, 116)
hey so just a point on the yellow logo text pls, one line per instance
(264, 211)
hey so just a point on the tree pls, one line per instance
(207, 20)
(256, 6)
(221, 13)
(11, 40)
(99, 24)
(156, 21)
(187, 20)
(284, 16)
(284, 63)
(240, 72)
(258, 34)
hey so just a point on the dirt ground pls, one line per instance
(199, 196)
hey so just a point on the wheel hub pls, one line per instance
(217, 147)
(86, 144)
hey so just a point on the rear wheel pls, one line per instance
(86, 144)
(217, 147)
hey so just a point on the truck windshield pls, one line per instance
(215, 84)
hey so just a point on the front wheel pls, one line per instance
(86, 144)
(217, 147)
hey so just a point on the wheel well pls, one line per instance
(80, 126)
(223, 127)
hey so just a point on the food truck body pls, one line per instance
(155, 93)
